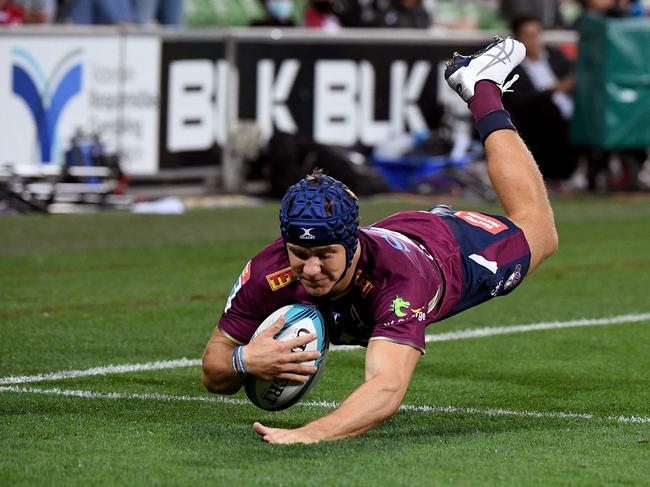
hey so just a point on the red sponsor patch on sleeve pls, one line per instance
(487, 223)
(246, 273)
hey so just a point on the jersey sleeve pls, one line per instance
(239, 319)
(402, 312)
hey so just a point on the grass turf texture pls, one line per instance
(90, 290)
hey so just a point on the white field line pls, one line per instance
(440, 337)
(326, 404)
(551, 325)
(105, 370)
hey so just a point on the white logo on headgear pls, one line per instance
(306, 233)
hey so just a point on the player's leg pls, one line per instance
(480, 80)
(520, 188)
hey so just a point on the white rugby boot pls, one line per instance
(493, 63)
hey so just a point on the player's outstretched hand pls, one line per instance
(278, 436)
(268, 359)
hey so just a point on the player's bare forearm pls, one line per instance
(368, 406)
(217, 374)
(389, 367)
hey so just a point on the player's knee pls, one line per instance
(549, 240)
(553, 241)
(541, 234)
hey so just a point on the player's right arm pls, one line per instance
(217, 373)
(264, 357)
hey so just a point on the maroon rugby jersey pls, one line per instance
(408, 276)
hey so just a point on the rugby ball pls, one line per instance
(277, 394)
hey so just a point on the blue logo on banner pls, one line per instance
(45, 100)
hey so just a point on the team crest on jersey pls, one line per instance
(362, 281)
(399, 306)
(280, 279)
(514, 278)
(241, 280)
(487, 223)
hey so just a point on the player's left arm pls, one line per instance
(389, 367)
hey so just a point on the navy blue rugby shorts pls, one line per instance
(495, 255)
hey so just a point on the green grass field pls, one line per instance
(85, 291)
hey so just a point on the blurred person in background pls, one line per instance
(222, 13)
(278, 13)
(11, 13)
(409, 14)
(322, 14)
(163, 12)
(348, 13)
(614, 8)
(547, 11)
(97, 12)
(334, 14)
(468, 14)
(39, 11)
(542, 105)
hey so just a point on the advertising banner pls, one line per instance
(53, 87)
(172, 101)
(341, 93)
(336, 93)
(193, 106)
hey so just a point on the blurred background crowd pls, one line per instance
(547, 76)
(324, 14)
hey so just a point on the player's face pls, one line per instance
(317, 268)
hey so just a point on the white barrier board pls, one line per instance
(53, 86)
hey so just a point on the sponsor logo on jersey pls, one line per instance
(280, 279)
(362, 281)
(306, 233)
(241, 280)
(487, 223)
(393, 322)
